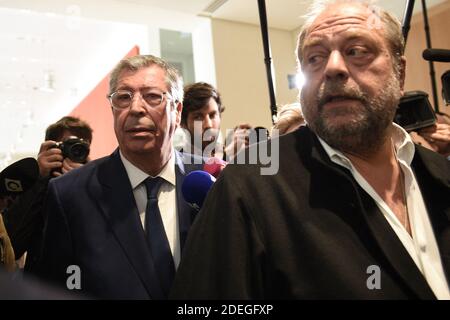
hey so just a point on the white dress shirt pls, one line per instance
(422, 246)
(167, 200)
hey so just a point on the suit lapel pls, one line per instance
(116, 199)
(386, 239)
(393, 249)
(433, 176)
(185, 212)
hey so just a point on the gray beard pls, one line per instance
(367, 132)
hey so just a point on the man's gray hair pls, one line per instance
(173, 78)
(392, 26)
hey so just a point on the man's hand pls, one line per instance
(49, 158)
(438, 136)
(69, 165)
(418, 139)
(239, 141)
(51, 161)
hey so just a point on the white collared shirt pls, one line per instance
(167, 200)
(422, 246)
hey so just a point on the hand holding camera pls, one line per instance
(49, 158)
(438, 137)
(57, 158)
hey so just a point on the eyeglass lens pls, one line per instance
(122, 99)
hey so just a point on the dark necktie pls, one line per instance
(156, 236)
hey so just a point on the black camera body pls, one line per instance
(414, 111)
(75, 149)
(446, 86)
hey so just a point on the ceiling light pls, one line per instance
(49, 82)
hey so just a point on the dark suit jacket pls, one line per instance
(93, 222)
(308, 232)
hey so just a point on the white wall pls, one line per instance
(84, 40)
(241, 72)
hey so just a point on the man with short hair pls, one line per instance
(51, 160)
(25, 220)
(356, 210)
(121, 221)
(201, 117)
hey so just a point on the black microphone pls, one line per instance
(19, 177)
(439, 55)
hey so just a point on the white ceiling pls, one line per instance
(28, 47)
(281, 14)
(286, 14)
(186, 6)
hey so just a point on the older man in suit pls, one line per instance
(116, 227)
(356, 211)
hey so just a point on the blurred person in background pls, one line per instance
(435, 137)
(201, 117)
(66, 147)
(289, 118)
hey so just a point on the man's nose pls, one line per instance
(336, 66)
(137, 104)
(207, 123)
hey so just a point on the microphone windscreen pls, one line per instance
(439, 55)
(195, 187)
(19, 177)
(214, 166)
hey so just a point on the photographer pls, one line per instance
(66, 147)
(426, 127)
(435, 137)
(59, 137)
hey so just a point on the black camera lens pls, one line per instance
(75, 149)
(78, 152)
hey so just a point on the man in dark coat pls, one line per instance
(116, 226)
(356, 210)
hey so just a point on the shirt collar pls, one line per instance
(402, 143)
(137, 176)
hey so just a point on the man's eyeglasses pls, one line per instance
(122, 99)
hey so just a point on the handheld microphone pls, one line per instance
(214, 166)
(195, 187)
(19, 177)
(439, 55)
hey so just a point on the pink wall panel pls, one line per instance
(95, 110)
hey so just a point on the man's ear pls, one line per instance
(178, 111)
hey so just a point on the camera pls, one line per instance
(446, 86)
(75, 149)
(414, 111)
